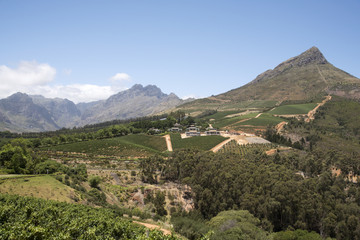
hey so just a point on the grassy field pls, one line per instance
(131, 145)
(293, 109)
(201, 143)
(228, 121)
(264, 120)
(45, 187)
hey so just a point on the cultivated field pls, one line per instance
(126, 146)
(293, 109)
(201, 143)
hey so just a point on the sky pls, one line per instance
(87, 50)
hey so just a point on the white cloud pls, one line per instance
(75, 92)
(120, 77)
(190, 96)
(24, 77)
(119, 82)
(36, 79)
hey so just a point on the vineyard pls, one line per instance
(293, 109)
(264, 119)
(125, 146)
(31, 218)
(243, 150)
(229, 121)
(200, 143)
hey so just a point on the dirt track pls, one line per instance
(311, 114)
(153, 226)
(168, 143)
(220, 145)
(280, 126)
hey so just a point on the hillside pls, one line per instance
(304, 77)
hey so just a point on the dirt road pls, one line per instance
(311, 114)
(220, 145)
(153, 226)
(168, 143)
(280, 126)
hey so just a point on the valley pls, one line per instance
(281, 163)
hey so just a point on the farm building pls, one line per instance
(192, 131)
(212, 131)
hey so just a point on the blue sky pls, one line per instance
(88, 50)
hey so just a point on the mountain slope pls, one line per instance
(63, 111)
(137, 101)
(306, 76)
(303, 78)
(19, 112)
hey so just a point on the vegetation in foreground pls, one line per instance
(31, 218)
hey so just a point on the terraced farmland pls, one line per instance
(131, 145)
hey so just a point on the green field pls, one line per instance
(293, 109)
(221, 114)
(45, 187)
(264, 120)
(201, 143)
(228, 121)
(130, 145)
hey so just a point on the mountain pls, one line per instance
(21, 112)
(18, 112)
(304, 77)
(137, 101)
(63, 111)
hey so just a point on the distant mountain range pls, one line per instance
(21, 112)
(304, 77)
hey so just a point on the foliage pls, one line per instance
(237, 224)
(268, 188)
(151, 168)
(296, 235)
(189, 226)
(18, 157)
(30, 218)
(94, 181)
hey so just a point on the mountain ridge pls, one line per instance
(22, 112)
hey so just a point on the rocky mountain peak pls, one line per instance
(19, 97)
(312, 55)
(309, 57)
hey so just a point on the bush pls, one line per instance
(95, 181)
